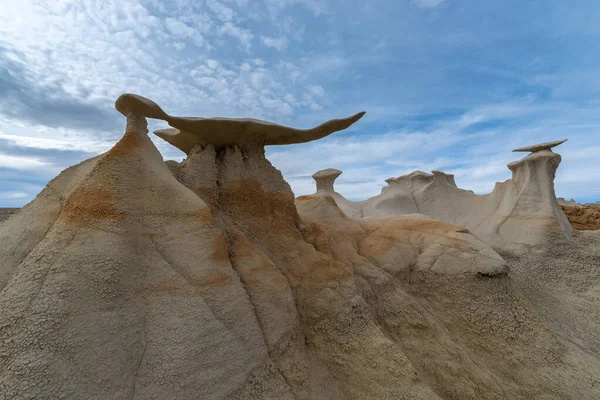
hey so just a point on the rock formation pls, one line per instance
(132, 278)
(325, 180)
(569, 203)
(395, 199)
(583, 217)
(523, 210)
(189, 132)
(540, 147)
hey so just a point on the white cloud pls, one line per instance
(249, 86)
(94, 57)
(243, 35)
(477, 160)
(44, 138)
(277, 43)
(213, 64)
(316, 90)
(317, 7)
(186, 56)
(179, 28)
(21, 163)
(13, 195)
(428, 3)
(222, 12)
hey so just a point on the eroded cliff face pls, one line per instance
(132, 278)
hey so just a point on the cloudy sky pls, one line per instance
(452, 85)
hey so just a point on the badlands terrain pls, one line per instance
(131, 277)
(582, 216)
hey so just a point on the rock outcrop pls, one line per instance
(569, 203)
(132, 278)
(116, 284)
(520, 211)
(189, 132)
(583, 217)
(325, 180)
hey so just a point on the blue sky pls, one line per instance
(452, 85)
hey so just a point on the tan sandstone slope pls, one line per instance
(6, 213)
(132, 278)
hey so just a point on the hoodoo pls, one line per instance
(129, 277)
(325, 179)
(520, 211)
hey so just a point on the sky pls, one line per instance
(451, 85)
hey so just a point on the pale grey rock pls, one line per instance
(541, 146)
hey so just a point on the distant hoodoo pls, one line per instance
(325, 179)
(541, 146)
(523, 210)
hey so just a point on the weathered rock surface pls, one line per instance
(325, 181)
(450, 303)
(6, 213)
(116, 284)
(520, 211)
(541, 146)
(583, 217)
(132, 278)
(188, 132)
(564, 202)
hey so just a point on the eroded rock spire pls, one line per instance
(325, 178)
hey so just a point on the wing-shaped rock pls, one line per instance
(541, 146)
(243, 132)
(223, 132)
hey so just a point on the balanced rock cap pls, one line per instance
(129, 103)
(220, 132)
(327, 173)
(541, 146)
